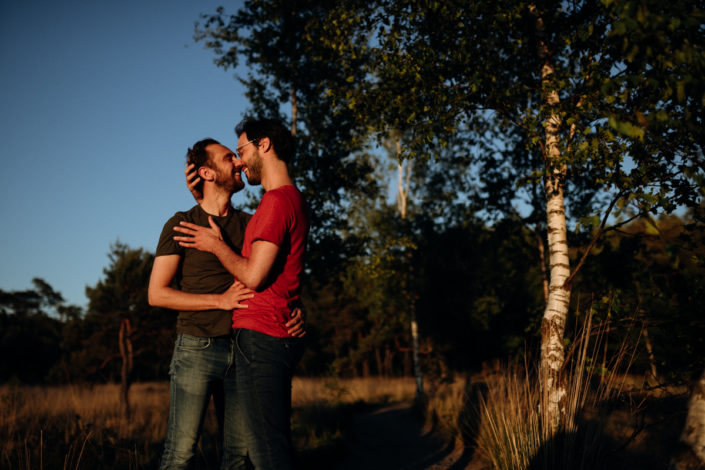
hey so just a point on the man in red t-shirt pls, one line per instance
(271, 263)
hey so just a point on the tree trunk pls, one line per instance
(408, 369)
(417, 359)
(125, 345)
(402, 199)
(542, 261)
(388, 362)
(650, 351)
(378, 359)
(365, 357)
(294, 110)
(692, 453)
(554, 317)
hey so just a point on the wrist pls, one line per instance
(220, 302)
(218, 248)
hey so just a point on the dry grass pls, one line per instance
(347, 391)
(611, 419)
(73, 427)
(83, 426)
(70, 427)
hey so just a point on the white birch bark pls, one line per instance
(652, 358)
(402, 197)
(554, 317)
(402, 184)
(693, 436)
(542, 262)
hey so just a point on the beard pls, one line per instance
(254, 169)
(230, 183)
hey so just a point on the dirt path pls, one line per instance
(392, 438)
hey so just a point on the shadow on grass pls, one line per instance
(319, 433)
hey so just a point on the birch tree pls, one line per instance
(404, 170)
(692, 455)
(611, 92)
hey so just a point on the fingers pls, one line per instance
(184, 230)
(213, 225)
(240, 288)
(298, 333)
(192, 177)
(240, 298)
(295, 318)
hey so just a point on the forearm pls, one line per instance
(174, 299)
(251, 271)
(236, 265)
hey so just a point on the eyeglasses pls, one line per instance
(237, 149)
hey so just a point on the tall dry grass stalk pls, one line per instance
(514, 434)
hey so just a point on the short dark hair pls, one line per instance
(280, 137)
(200, 157)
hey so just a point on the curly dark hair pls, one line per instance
(280, 137)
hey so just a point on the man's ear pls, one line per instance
(265, 143)
(206, 173)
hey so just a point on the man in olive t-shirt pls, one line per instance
(203, 273)
(204, 293)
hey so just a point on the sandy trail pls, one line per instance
(391, 438)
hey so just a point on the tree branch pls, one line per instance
(593, 241)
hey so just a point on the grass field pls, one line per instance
(83, 427)
(72, 427)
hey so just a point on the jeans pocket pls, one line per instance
(193, 343)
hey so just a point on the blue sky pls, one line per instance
(99, 101)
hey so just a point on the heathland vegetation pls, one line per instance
(540, 272)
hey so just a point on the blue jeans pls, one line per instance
(264, 366)
(199, 368)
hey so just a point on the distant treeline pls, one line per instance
(476, 291)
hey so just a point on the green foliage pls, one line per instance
(288, 76)
(628, 74)
(648, 276)
(30, 338)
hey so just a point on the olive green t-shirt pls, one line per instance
(201, 272)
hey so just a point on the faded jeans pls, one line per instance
(200, 368)
(264, 366)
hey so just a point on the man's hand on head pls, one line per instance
(192, 179)
(200, 238)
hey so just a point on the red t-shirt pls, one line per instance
(281, 218)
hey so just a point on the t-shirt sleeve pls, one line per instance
(272, 219)
(167, 245)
